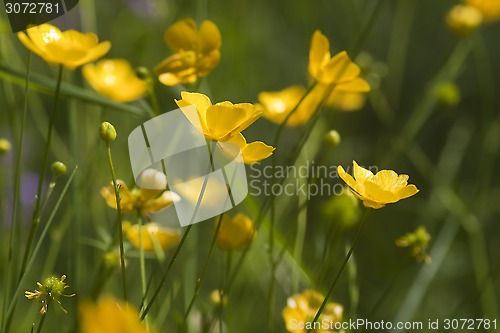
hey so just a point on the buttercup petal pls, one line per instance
(210, 37)
(357, 85)
(182, 35)
(319, 53)
(346, 177)
(256, 151)
(222, 121)
(339, 69)
(407, 191)
(360, 173)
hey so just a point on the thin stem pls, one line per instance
(120, 221)
(17, 190)
(204, 270)
(339, 273)
(40, 324)
(37, 211)
(153, 98)
(165, 275)
(142, 265)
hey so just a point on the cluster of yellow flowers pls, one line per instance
(337, 83)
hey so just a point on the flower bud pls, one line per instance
(464, 19)
(332, 138)
(143, 73)
(58, 168)
(5, 146)
(448, 94)
(107, 132)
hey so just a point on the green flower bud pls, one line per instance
(143, 73)
(332, 138)
(342, 209)
(448, 94)
(5, 146)
(58, 168)
(107, 132)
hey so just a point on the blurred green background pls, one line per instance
(449, 151)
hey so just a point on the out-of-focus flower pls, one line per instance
(70, 48)
(338, 70)
(448, 94)
(418, 241)
(301, 310)
(109, 315)
(235, 233)
(252, 152)
(153, 235)
(51, 290)
(346, 101)
(342, 209)
(115, 79)
(377, 190)
(464, 19)
(5, 146)
(197, 52)
(490, 9)
(277, 105)
(215, 297)
(140, 200)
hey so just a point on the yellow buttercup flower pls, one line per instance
(338, 70)
(115, 79)
(51, 290)
(139, 200)
(197, 52)
(464, 19)
(109, 315)
(153, 235)
(254, 151)
(69, 48)
(235, 233)
(220, 121)
(301, 310)
(224, 121)
(490, 9)
(377, 190)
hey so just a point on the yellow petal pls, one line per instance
(239, 140)
(153, 233)
(256, 151)
(223, 120)
(252, 113)
(235, 233)
(375, 193)
(29, 44)
(360, 173)
(166, 199)
(356, 85)
(319, 53)
(346, 177)
(407, 191)
(339, 69)
(182, 35)
(210, 37)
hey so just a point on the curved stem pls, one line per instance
(142, 265)
(37, 212)
(339, 273)
(120, 224)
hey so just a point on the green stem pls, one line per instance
(142, 265)
(203, 271)
(40, 324)
(153, 98)
(120, 221)
(37, 212)
(17, 190)
(339, 273)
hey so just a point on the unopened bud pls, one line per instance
(448, 94)
(5, 146)
(332, 138)
(58, 168)
(463, 19)
(107, 132)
